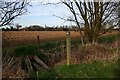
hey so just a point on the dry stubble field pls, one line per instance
(15, 38)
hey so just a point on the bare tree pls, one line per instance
(9, 10)
(93, 14)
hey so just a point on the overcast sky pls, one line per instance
(43, 15)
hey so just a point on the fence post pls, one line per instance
(68, 46)
(38, 39)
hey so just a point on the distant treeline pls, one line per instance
(40, 28)
(47, 28)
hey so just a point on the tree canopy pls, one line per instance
(93, 14)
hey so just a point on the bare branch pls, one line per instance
(10, 10)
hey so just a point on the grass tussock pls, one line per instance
(26, 50)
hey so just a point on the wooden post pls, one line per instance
(37, 74)
(38, 39)
(68, 46)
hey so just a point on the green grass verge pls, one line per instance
(95, 69)
(44, 74)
